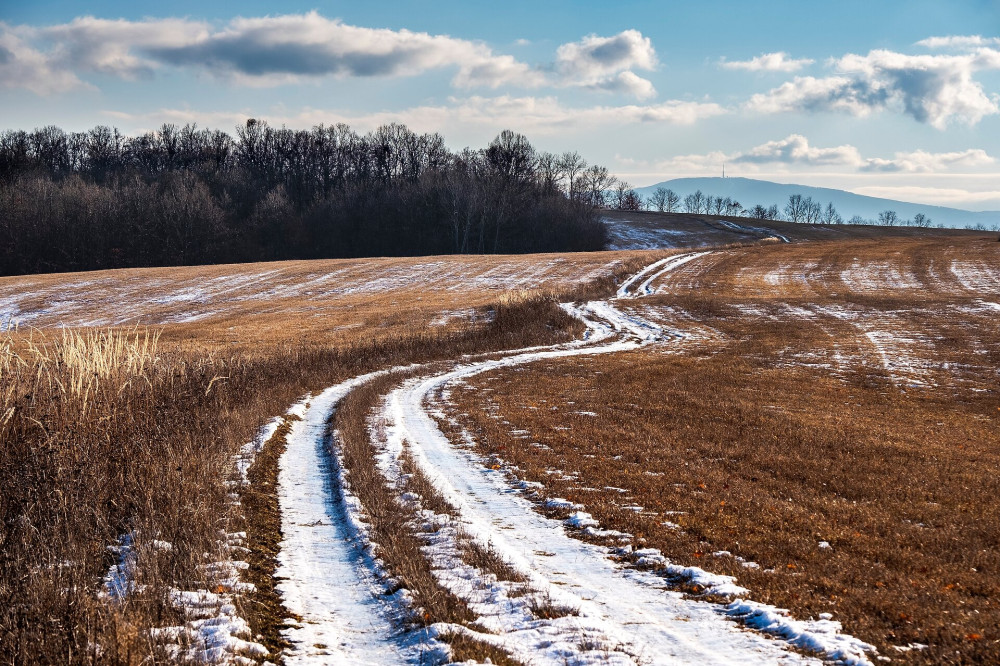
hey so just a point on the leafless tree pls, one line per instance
(888, 218)
(795, 209)
(812, 212)
(550, 172)
(695, 202)
(673, 202)
(831, 216)
(595, 183)
(572, 166)
(625, 198)
(658, 200)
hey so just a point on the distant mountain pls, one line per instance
(750, 192)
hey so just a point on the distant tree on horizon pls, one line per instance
(888, 218)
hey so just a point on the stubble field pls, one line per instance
(817, 419)
(821, 423)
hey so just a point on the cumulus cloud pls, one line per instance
(768, 62)
(795, 149)
(626, 83)
(22, 66)
(606, 63)
(933, 89)
(273, 50)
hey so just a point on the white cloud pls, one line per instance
(796, 151)
(256, 51)
(921, 161)
(606, 63)
(933, 89)
(527, 114)
(808, 93)
(22, 66)
(275, 50)
(768, 62)
(940, 196)
(626, 83)
(959, 42)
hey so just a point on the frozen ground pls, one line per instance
(621, 615)
(193, 294)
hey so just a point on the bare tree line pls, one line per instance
(184, 195)
(797, 209)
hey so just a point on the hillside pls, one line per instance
(749, 192)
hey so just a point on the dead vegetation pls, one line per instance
(864, 487)
(140, 429)
(251, 308)
(108, 433)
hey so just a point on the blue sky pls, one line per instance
(898, 99)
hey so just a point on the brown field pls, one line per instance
(141, 427)
(326, 302)
(843, 393)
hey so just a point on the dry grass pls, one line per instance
(144, 440)
(250, 308)
(754, 440)
(263, 608)
(103, 433)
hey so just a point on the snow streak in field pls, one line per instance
(617, 615)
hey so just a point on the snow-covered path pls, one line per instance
(630, 609)
(323, 576)
(628, 613)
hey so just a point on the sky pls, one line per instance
(886, 98)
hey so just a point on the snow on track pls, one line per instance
(653, 271)
(629, 609)
(625, 615)
(324, 578)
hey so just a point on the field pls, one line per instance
(840, 397)
(638, 456)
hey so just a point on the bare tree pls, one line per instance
(673, 202)
(813, 211)
(511, 156)
(550, 172)
(695, 202)
(921, 220)
(595, 183)
(572, 166)
(625, 198)
(831, 216)
(795, 208)
(888, 218)
(658, 200)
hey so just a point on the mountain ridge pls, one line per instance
(749, 192)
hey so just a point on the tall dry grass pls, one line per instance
(106, 433)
